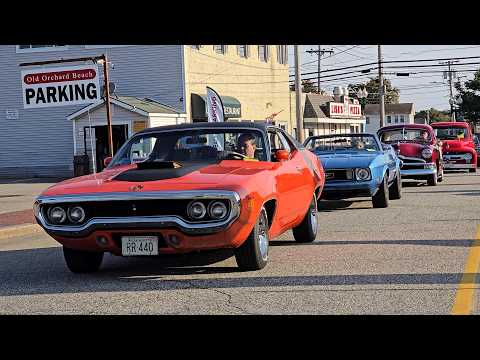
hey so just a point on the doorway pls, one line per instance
(119, 136)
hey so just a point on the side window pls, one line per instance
(277, 142)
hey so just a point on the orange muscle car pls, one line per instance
(184, 188)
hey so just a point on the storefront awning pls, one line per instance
(232, 107)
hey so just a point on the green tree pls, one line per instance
(435, 115)
(307, 87)
(392, 95)
(469, 93)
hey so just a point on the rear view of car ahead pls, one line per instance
(357, 165)
(457, 144)
(418, 149)
(188, 188)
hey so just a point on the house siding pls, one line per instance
(40, 141)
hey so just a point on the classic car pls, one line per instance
(418, 149)
(357, 165)
(188, 188)
(457, 144)
(476, 141)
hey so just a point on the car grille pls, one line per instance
(338, 175)
(411, 160)
(130, 208)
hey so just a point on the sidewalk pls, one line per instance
(16, 201)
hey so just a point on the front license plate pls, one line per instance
(139, 245)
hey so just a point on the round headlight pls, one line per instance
(362, 174)
(468, 156)
(217, 210)
(196, 210)
(427, 153)
(57, 215)
(76, 214)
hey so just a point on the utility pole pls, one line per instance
(298, 93)
(319, 53)
(450, 83)
(107, 103)
(428, 117)
(381, 89)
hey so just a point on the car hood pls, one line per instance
(341, 161)
(452, 145)
(226, 174)
(410, 149)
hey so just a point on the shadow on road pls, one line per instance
(330, 205)
(42, 271)
(455, 243)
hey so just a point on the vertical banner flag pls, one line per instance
(215, 112)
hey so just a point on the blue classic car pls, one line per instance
(358, 165)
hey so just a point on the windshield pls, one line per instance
(343, 143)
(209, 145)
(451, 133)
(405, 134)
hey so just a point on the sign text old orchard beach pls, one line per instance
(72, 85)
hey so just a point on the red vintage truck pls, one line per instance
(457, 145)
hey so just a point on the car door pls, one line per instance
(290, 181)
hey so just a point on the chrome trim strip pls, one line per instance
(145, 221)
(456, 156)
(418, 160)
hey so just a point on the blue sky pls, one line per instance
(425, 90)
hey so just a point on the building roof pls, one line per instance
(316, 105)
(143, 107)
(403, 108)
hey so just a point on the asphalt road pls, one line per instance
(416, 257)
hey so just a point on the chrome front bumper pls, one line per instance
(138, 222)
(417, 168)
(459, 166)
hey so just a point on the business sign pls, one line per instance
(345, 110)
(62, 86)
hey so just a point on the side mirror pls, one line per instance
(282, 155)
(107, 161)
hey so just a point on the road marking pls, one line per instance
(464, 298)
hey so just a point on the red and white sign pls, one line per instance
(72, 85)
(345, 110)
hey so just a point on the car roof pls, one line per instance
(450, 123)
(262, 126)
(343, 134)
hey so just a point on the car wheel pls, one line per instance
(380, 199)
(474, 170)
(306, 231)
(79, 261)
(432, 180)
(395, 191)
(253, 253)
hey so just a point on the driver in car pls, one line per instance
(423, 135)
(247, 146)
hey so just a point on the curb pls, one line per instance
(19, 230)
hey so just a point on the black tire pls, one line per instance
(474, 170)
(249, 254)
(306, 231)
(395, 192)
(79, 261)
(380, 199)
(432, 180)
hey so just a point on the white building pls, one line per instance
(394, 114)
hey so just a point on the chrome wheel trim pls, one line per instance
(313, 217)
(263, 237)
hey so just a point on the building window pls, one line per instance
(40, 48)
(242, 50)
(367, 120)
(396, 119)
(282, 54)
(310, 132)
(402, 118)
(389, 119)
(220, 49)
(263, 52)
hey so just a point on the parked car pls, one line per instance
(419, 150)
(457, 144)
(243, 185)
(357, 165)
(476, 141)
